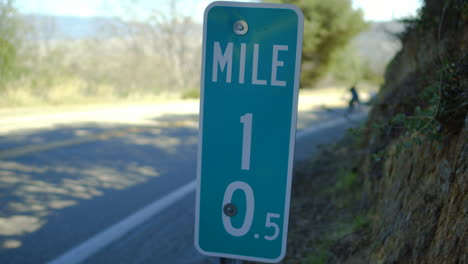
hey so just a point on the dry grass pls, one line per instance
(76, 91)
(73, 91)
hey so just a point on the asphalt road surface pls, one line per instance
(103, 192)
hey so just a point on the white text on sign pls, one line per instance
(246, 120)
(224, 60)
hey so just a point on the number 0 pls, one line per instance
(249, 214)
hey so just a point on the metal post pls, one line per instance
(230, 261)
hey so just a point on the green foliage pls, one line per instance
(360, 222)
(321, 253)
(367, 73)
(70, 71)
(7, 58)
(346, 181)
(320, 256)
(191, 94)
(9, 40)
(357, 134)
(328, 28)
(422, 121)
(427, 21)
(348, 67)
(379, 155)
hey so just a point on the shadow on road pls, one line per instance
(53, 198)
(60, 186)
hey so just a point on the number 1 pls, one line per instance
(246, 120)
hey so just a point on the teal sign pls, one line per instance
(250, 79)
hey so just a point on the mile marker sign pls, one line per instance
(248, 108)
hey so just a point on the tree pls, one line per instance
(162, 35)
(9, 40)
(348, 67)
(328, 27)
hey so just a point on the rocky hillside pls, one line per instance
(415, 165)
(396, 189)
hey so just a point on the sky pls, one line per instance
(376, 10)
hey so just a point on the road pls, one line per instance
(112, 185)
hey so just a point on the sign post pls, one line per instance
(248, 109)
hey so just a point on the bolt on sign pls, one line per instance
(248, 110)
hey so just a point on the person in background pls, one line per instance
(354, 99)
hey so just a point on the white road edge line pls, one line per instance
(112, 233)
(89, 247)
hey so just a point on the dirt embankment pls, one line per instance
(415, 167)
(401, 195)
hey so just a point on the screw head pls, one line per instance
(230, 209)
(241, 27)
